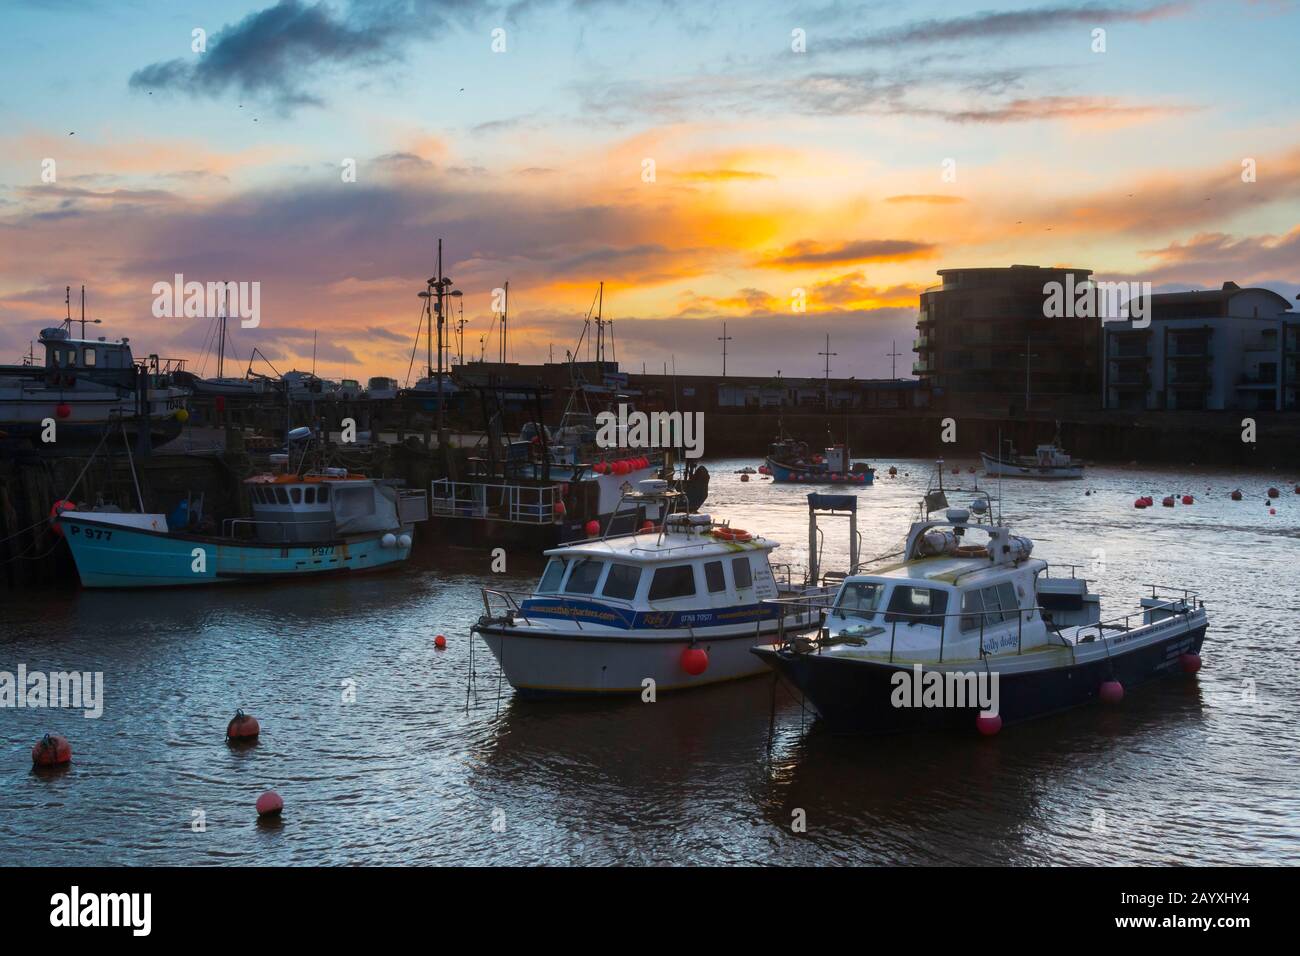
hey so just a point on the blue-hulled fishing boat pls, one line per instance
(302, 526)
(790, 461)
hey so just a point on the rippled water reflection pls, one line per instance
(412, 772)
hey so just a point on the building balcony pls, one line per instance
(1126, 356)
(921, 343)
(921, 367)
(1258, 381)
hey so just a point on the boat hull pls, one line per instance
(112, 556)
(857, 696)
(539, 664)
(999, 468)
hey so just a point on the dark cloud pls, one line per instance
(274, 53)
(1001, 25)
(808, 252)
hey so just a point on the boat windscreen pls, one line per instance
(552, 576)
(585, 574)
(860, 599)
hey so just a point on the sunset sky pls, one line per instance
(774, 170)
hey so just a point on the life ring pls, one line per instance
(732, 534)
(971, 551)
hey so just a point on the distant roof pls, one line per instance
(1221, 295)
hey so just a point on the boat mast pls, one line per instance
(505, 318)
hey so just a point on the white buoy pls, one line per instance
(387, 541)
(404, 540)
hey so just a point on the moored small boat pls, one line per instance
(1048, 461)
(302, 526)
(966, 636)
(671, 607)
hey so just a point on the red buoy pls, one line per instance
(440, 642)
(242, 727)
(63, 410)
(1167, 501)
(1236, 495)
(1187, 499)
(1139, 503)
(559, 508)
(1191, 663)
(57, 509)
(695, 661)
(1273, 492)
(52, 750)
(988, 724)
(647, 527)
(592, 528)
(269, 804)
(1112, 691)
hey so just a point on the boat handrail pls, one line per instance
(1183, 606)
(1073, 568)
(560, 595)
(523, 504)
(508, 597)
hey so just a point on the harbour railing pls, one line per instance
(521, 504)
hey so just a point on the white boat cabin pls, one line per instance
(675, 570)
(952, 601)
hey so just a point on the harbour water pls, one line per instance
(389, 751)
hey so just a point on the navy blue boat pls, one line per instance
(971, 636)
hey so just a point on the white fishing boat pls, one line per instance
(1048, 461)
(678, 605)
(381, 388)
(86, 385)
(965, 635)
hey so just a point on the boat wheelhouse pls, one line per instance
(679, 605)
(953, 610)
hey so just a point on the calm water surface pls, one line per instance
(435, 747)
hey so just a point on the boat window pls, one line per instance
(713, 576)
(621, 581)
(281, 496)
(309, 495)
(860, 599)
(917, 605)
(583, 577)
(552, 577)
(88, 357)
(296, 494)
(677, 581)
(993, 605)
(742, 573)
(972, 607)
(323, 493)
(1010, 605)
